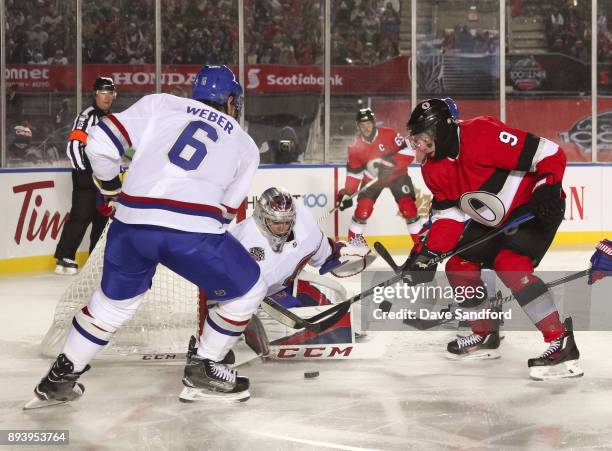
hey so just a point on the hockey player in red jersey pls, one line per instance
(487, 172)
(382, 153)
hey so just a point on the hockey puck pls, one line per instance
(385, 306)
(311, 374)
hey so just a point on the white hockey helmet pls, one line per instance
(275, 215)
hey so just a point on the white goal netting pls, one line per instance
(165, 320)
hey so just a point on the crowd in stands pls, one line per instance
(38, 32)
(287, 32)
(464, 40)
(364, 32)
(115, 32)
(604, 39)
(568, 29)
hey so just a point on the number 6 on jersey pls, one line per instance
(191, 137)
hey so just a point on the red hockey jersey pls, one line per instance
(387, 143)
(496, 171)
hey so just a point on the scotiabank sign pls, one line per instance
(389, 77)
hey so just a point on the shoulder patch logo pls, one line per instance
(258, 253)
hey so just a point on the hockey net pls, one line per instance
(163, 323)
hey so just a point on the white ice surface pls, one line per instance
(412, 398)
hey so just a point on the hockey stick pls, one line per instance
(386, 256)
(386, 305)
(498, 302)
(361, 190)
(332, 315)
(290, 319)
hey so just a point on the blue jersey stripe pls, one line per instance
(87, 335)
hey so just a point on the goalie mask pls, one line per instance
(275, 215)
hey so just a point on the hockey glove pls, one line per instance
(105, 205)
(601, 261)
(344, 200)
(547, 204)
(418, 266)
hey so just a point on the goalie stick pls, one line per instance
(290, 319)
(331, 316)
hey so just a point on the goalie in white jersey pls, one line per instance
(283, 237)
(192, 168)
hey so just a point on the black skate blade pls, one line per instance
(36, 403)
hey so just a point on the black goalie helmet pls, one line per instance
(275, 208)
(434, 117)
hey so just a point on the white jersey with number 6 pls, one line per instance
(192, 168)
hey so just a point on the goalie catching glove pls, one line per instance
(348, 259)
(601, 261)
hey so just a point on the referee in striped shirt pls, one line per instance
(86, 198)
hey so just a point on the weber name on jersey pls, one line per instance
(306, 244)
(192, 168)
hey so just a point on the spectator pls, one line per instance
(464, 42)
(38, 59)
(369, 57)
(59, 58)
(20, 151)
(282, 150)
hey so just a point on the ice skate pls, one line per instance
(474, 347)
(560, 360)
(58, 386)
(66, 267)
(205, 379)
(192, 349)
(464, 329)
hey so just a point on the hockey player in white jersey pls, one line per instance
(192, 168)
(282, 236)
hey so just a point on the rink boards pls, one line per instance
(36, 204)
